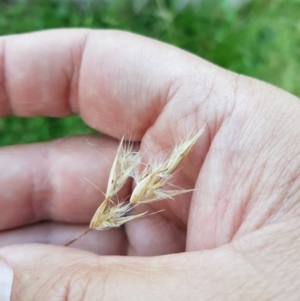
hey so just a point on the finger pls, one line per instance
(158, 233)
(164, 235)
(39, 73)
(245, 269)
(113, 79)
(67, 274)
(110, 242)
(48, 180)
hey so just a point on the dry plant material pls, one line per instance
(122, 168)
(114, 214)
(152, 184)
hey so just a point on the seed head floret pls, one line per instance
(111, 214)
(181, 151)
(152, 183)
(122, 168)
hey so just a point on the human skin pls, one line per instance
(236, 237)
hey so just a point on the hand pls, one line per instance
(237, 235)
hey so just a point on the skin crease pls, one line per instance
(236, 237)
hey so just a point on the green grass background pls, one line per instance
(260, 39)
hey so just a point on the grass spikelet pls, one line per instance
(128, 161)
(152, 184)
(111, 214)
(122, 168)
(181, 151)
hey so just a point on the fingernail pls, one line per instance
(6, 281)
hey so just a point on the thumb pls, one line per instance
(60, 273)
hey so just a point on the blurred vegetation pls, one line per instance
(260, 39)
